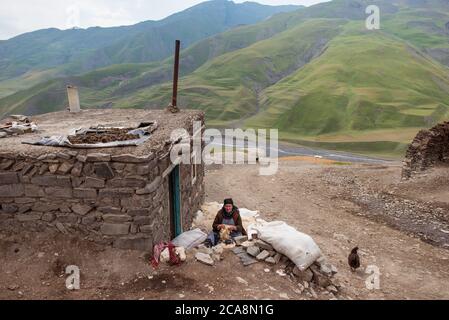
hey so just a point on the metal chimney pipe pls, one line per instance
(176, 75)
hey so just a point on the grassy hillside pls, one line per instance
(37, 99)
(365, 80)
(315, 74)
(71, 52)
(366, 88)
(228, 87)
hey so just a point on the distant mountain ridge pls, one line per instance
(44, 54)
(317, 74)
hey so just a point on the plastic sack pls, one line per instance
(300, 248)
(251, 229)
(198, 219)
(53, 141)
(245, 213)
(190, 239)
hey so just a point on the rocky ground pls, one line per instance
(400, 227)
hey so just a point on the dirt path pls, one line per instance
(319, 199)
(299, 195)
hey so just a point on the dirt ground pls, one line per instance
(400, 227)
(110, 135)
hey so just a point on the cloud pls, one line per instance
(25, 16)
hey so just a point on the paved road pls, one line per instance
(288, 150)
(293, 150)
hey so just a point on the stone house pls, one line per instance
(131, 197)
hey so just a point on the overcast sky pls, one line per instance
(20, 16)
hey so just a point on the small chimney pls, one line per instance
(173, 107)
(74, 99)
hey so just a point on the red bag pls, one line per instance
(159, 248)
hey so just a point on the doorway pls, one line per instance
(175, 202)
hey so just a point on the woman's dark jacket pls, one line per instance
(235, 215)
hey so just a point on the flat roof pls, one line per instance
(63, 122)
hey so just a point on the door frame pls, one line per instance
(174, 180)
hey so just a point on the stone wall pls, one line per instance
(429, 148)
(121, 200)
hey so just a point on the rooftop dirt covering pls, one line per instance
(106, 136)
(63, 123)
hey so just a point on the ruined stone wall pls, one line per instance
(430, 147)
(122, 200)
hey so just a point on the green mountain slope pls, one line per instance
(364, 81)
(228, 86)
(50, 52)
(316, 74)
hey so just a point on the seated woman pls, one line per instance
(228, 217)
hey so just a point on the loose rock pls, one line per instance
(263, 245)
(253, 251)
(204, 258)
(270, 260)
(263, 256)
(306, 275)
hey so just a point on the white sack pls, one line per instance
(190, 239)
(245, 213)
(298, 247)
(252, 228)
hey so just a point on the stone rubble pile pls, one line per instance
(17, 125)
(257, 251)
(429, 148)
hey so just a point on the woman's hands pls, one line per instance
(223, 226)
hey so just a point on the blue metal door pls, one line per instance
(175, 194)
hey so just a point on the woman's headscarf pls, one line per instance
(225, 213)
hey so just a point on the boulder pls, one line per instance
(81, 209)
(306, 275)
(116, 218)
(247, 244)
(150, 188)
(332, 289)
(94, 183)
(321, 279)
(61, 228)
(277, 258)
(240, 240)
(129, 158)
(111, 229)
(103, 170)
(263, 255)
(263, 245)
(9, 178)
(253, 251)
(270, 260)
(203, 249)
(98, 157)
(218, 249)
(28, 217)
(204, 258)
